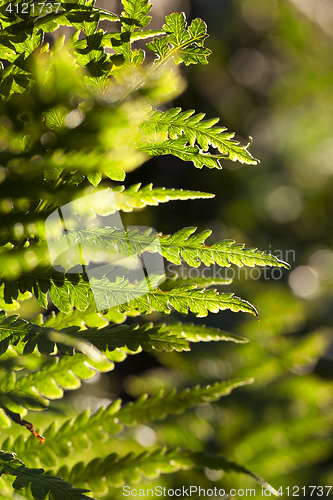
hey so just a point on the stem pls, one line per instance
(157, 65)
(44, 204)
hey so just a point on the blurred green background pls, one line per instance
(270, 77)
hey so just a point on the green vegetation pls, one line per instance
(80, 114)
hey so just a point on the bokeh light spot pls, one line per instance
(304, 281)
(284, 204)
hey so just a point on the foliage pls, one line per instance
(77, 117)
(286, 202)
(41, 484)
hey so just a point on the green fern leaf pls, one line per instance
(83, 17)
(33, 391)
(203, 333)
(181, 245)
(67, 290)
(139, 197)
(41, 484)
(134, 337)
(181, 43)
(171, 402)
(224, 253)
(16, 77)
(14, 329)
(192, 332)
(199, 301)
(181, 149)
(175, 123)
(132, 467)
(76, 318)
(135, 14)
(77, 433)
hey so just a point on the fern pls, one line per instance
(202, 333)
(73, 116)
(76, 433)
(134, 197)
(133, 337)
(132, 468)
(135, 14)
(137, 197)
(175, 123)
(41, 484)
(179, 148)
(34, 391)
(181, 245)
(193, 250)
(70, 289)
(181, 43)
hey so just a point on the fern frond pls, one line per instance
(171, 402)
(139, 197)
(181, 149)
(133, 467)
(192, 332)
(135, 14)
(14, 329)
(41, 484)
(187, 298)
(33, 391)
(224, 253)
(180, 245)
(134, 337)
(80, 318)
(203, 333)
(175, 123)
(33, 223)
(77, 433)
(182, 43)
(67, 290)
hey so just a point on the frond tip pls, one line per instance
(139, 197)
(176, 123)
(224, 253)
